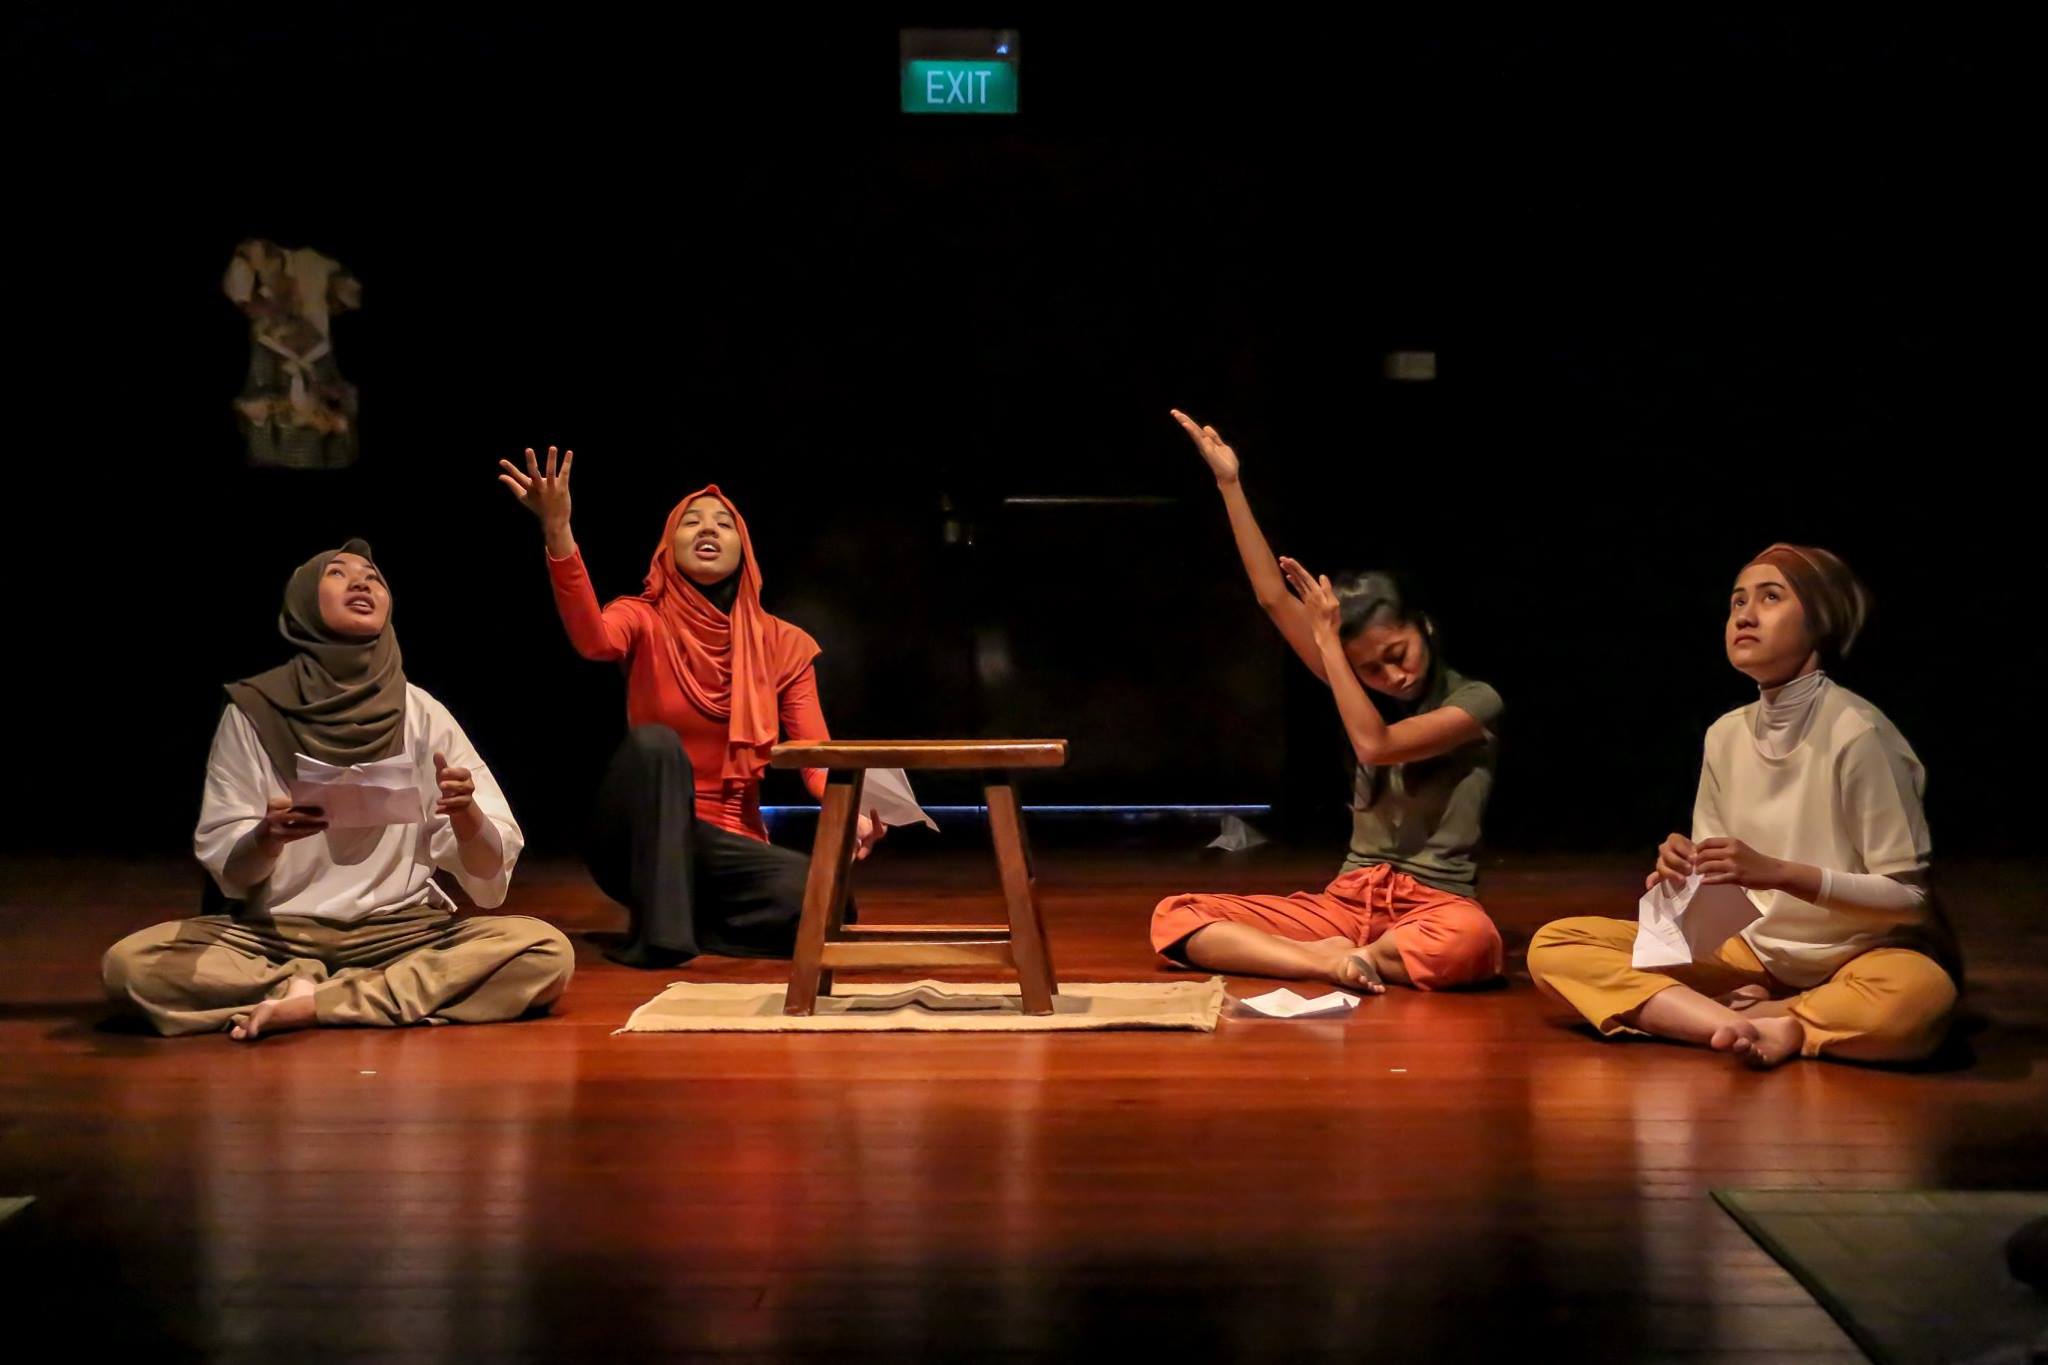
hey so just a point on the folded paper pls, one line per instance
(1687, 922)
(885, 793)
(361, 795)
(1285, 1004)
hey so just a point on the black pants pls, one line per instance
(691, 887)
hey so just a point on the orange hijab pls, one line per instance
(732, 666)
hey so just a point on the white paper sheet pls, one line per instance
(1237, 836)
(1285, 1004)
(386, 792)
(1686, 923)
(885, 792)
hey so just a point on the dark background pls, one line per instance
(1694, 286)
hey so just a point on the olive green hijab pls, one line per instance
(340, 698)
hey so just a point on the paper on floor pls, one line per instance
(386, 792)
(1285, 1004)
(1686, 923)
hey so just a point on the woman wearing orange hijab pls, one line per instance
(712, 682)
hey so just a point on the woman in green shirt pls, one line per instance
(1402, 909)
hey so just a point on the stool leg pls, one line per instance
(1027, 926)
(1037, 909)
(849, 843)
(824, 890)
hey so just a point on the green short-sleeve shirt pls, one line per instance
(1423, 818)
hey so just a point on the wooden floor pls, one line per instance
(1435, 1178)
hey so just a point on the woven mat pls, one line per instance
(931, 1007)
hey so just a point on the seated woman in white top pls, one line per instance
(341, 926)
(1809, 800)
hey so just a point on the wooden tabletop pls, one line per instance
(922, 753)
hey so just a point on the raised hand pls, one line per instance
(543, 492)
(1316, 594)
(1216, 453)
(458, 789)
(457, 797)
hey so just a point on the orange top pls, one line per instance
(724, 683)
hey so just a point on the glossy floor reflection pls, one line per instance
(1444, 1178)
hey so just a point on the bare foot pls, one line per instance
(292, 1010)
(1352, 969)
(1761, 1043)
(1778, 1040)
(1737, 1038)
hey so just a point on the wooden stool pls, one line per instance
(824, 940)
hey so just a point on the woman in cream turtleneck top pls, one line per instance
(1810, 801)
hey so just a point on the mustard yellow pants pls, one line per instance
(1886, 1005)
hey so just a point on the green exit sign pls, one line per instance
(957, 87)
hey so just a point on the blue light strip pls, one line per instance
(1067, 810)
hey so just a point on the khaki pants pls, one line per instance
(397, 967)
(1886, 1005)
